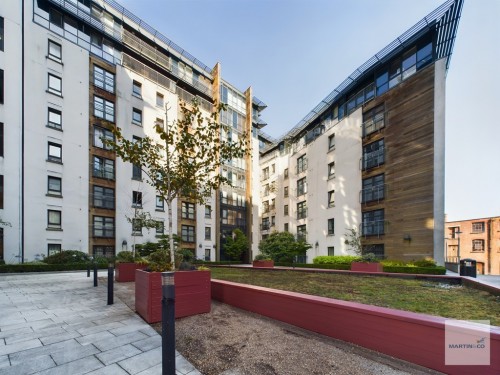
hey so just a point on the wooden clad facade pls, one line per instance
(408, 168)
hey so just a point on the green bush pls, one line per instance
(261, 257)
(125, 257)
(336, 259)
(327, 266)
(427, 262)
(2, 261)
(66, 257)
(436, 270)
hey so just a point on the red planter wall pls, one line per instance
(366, 267)
(416, 338)
(125, 272)
(192, 294)
(263, 263)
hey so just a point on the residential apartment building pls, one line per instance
(71, 71)
(477, 239)
(370, 156)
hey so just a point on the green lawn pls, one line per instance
(420, 296)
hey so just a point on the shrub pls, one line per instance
(159, 261)
(125, 257)
(43, 267)
(336, 259)
(331, 266)
(436, 270)
(2, 261)
(427, 262)
(261, 257)
(67, 257)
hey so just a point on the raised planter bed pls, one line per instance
(366, 267)
(263, 263)
(417, 338)
(125, 272)
(192, 294)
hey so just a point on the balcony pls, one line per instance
(373, 159)
(372, 194)
(372, 228)
(373, 124)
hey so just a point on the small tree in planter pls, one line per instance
(368, 262)
(283, 247)
(236, 245)
(126, 264)
(183, 160)
(262, 261)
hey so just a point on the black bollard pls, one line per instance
(88, 269)
(168, 323)
(110, 283)
(95, 274)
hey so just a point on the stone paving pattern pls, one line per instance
(61, 324)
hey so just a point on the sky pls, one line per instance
(295, 52)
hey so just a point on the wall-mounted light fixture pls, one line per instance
(124, 245)
(407, 237)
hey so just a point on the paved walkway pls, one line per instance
(60, 324)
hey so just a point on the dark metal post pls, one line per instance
(88, 269)
(110, 282)
(168, 323)
(95, 274)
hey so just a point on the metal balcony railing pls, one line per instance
(372, 194)
(373, 159)
(372, 228)
(373, 124)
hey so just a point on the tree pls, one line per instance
(353, 241)
(236, 245)
(185, 160)
(283, 247)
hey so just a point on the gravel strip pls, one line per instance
(230, 341)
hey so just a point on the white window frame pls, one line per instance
(54, 84)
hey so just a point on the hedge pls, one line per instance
(437, 270)
(42, 267)
(338, 266)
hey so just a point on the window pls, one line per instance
(160, 100)
(301, 210)
(136, 227)
(54, 185)
(103, 197)
(285, 227)
(53, 219)
(104, 109)
(103, 251)
(331, 251)
(273, 168)
(55, 50)
(208, 233)
(331, 198)
(265, 173)
(1, 86)
(160, 228)
(373, 120)
(373, 189)
(477, 245)
(331, 142)
(136, 172)
(137, 199)
(54, 118)
(104, 168)
(285, 191)
(265, 223)
(478, 227)
(373, 223)
(187, 233)
(160, 203)
(286, 173)
(331, 227)
(1, 139)
(265, 207)
(137, 116)
(285, 210)
(103, 227)
(101, 134)
(454, 232)
(301, 186)
(104, 79)
(301, 164)
(373, 154)
(55, 84)
(53, 248)
(55, 153)
(137, 89)
(1, 34)
(207, 254)
(331, 170)
(301, 233)
(377, 249)
(187, 210)
(266, 190)
(208, 212)
(273, 221)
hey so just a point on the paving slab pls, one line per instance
(58, 323)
